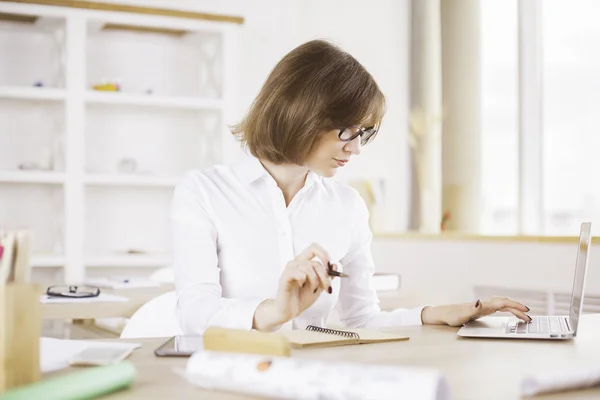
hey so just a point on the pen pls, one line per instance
(331, 272)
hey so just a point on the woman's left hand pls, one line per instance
(460, 314)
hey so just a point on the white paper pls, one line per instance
(101, 298)
(56, 353)
(122, 283)
(309, 379)
(573, 378)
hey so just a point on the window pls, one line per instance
(499, 117)
(568, 97)
(571, 96)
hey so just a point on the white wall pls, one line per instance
(380, 42)
(271, 29)
(439, 271)
(377, 34)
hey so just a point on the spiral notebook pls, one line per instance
(314, 336)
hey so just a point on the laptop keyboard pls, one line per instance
(538, 325)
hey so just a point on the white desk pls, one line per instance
(475, 368)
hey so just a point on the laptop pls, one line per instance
(545, 326)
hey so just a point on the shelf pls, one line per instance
(47, 261)
(130, 180)
(132, 11)
(52, 178)
(476, 237)
(149, 100)
(32, 93)
(135, 261)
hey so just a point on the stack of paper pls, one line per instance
(560, 380)
(298, 378)
(56, 353)
(101, 298)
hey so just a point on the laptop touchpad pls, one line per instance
(486, 326)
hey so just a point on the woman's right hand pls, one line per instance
(300, 285)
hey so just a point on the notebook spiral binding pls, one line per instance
(352, 335)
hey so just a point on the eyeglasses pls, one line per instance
(73, 291)
(366, 135)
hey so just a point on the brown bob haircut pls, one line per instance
(315, 88)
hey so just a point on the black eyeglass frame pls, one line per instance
(366, 135)
(73, 291)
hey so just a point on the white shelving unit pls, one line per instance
(32, 93)
(128, 261)
(41, 261)
(180, 103)
(131, 180)
(91, 172)
(57, 178)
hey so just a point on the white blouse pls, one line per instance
(233, 235)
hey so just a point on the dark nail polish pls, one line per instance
(330, 290)
(528, 309)
(478, 303)
(530, 319)
(315, 291)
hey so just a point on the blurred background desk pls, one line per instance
(96, 320)
(125, 309)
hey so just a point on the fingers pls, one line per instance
(307, 273)
(518, 313)
(314, 272)
(324, 279)
(312, 251)
(294, 277)
(478, 309)
(503, 304)
(312, 278)
(500, 303)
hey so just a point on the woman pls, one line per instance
(253, 240)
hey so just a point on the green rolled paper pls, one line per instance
(80, 385)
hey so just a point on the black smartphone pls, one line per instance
(180, 346)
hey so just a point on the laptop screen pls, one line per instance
(583, 252)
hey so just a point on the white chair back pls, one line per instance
(156, 318)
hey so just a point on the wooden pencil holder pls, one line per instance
(20, 330)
